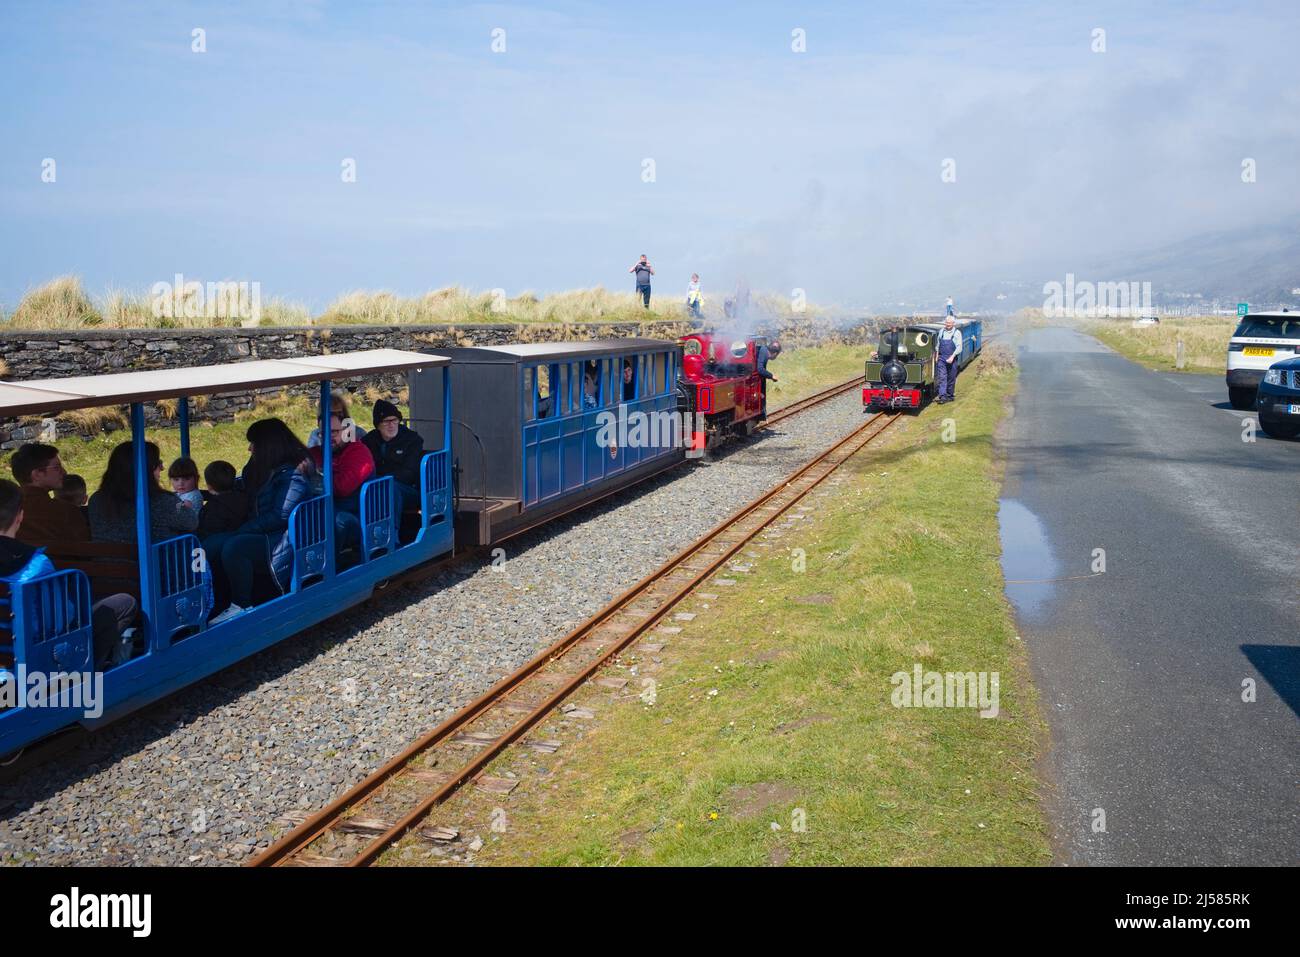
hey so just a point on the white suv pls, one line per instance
(1260, 339)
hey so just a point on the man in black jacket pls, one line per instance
(397, 451)
(643, 272)
(766, 353)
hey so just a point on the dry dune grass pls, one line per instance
(92, 421)
(59, 304)
(453, 305)
(1204, 338)
(63, 303)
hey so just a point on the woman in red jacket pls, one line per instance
(352, 466)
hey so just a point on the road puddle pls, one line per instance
(1027, 559)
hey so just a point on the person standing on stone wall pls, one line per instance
(643, 272)
(693, 297)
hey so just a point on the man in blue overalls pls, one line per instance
(945, 369)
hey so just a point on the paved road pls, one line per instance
(1141, 668)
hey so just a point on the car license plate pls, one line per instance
(1257, 351)
(1293, 409)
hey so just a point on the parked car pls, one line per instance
(1278, 399)
(1259, 341)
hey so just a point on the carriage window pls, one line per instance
(660, 360)
(642, 377)
(609, 377)
(591, 392)
(562, 393)
(627, 378)
(530, 401)
(546, 375)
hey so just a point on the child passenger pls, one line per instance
(185, 482)
(73, 491)
(227, 506)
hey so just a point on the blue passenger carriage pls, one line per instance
(544, 428)
(46, 646)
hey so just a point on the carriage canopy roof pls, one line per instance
(540, 351)
(43, 396)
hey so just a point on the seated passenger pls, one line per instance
(110, 618)
(73, 491)
(112, 508)
(590, 396)
(226, 507)
(352, 465)
(278, 476)
(184, 475)
(46, 520)
(339, 407)
(396, 451)
(629, 381)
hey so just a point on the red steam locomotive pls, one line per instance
(721, 390)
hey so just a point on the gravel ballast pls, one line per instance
(215, 772)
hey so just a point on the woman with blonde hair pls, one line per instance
(339, 407)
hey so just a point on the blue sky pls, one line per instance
(523, 169)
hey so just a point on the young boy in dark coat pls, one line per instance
(226, 506)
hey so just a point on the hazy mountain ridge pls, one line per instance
(1260, 266)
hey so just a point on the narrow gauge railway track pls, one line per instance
(421, 573)
(817, 398)
(355, 828)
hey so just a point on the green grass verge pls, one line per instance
(773, 706)
(1204, 338)
(801, 372)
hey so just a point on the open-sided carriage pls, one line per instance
(48, 680)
